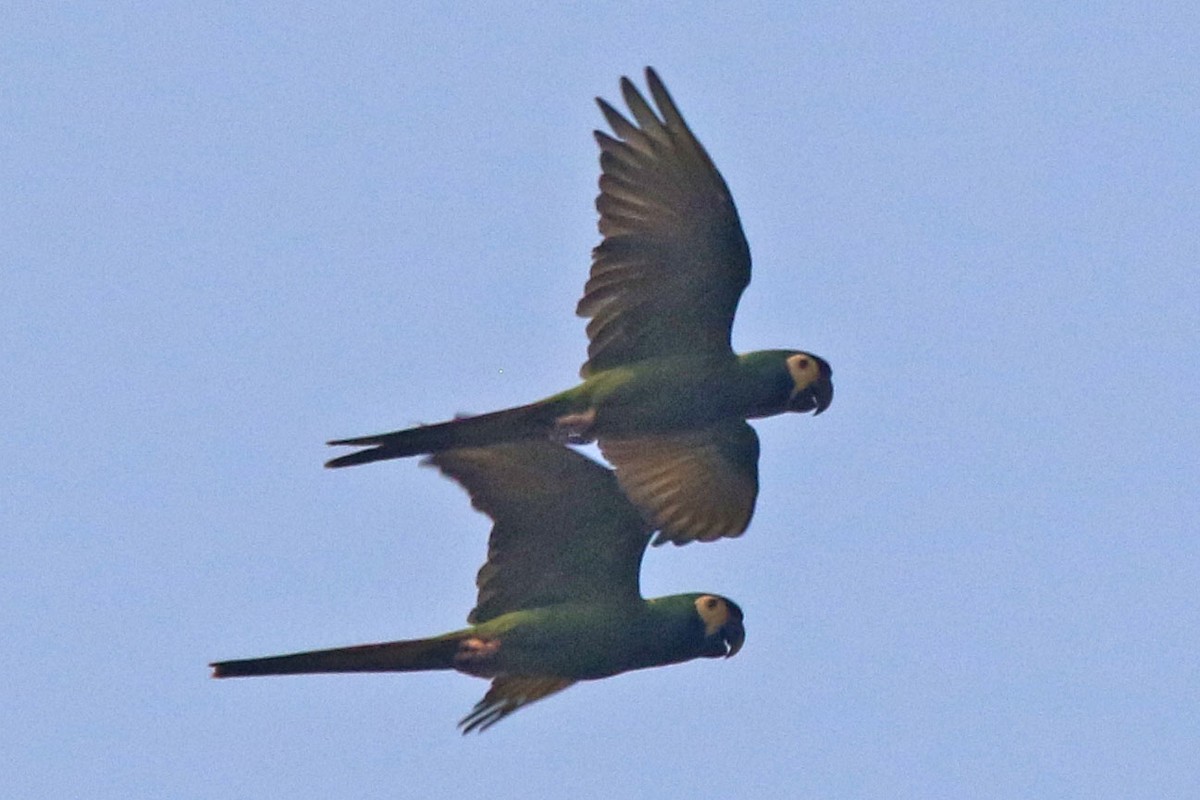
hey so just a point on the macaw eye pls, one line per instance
(711, 604)
(802, 363)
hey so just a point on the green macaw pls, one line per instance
(663, 393)
(559, 599)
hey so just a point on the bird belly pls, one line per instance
(662, 400)
(580, 643)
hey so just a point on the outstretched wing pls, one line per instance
(508, 693)
(563, 530)
(696, 485)
(673, 263)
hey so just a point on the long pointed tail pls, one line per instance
(406, 656)
(532, 421)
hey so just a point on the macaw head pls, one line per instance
(812, 383)
(724, 633)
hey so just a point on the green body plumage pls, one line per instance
(663, 391)
(558, 597)
(663, 395)
(706, 397)
(579, 641)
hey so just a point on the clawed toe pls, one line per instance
(574, 428)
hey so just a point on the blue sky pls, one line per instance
(229, 235)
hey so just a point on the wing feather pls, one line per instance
(563, 530)
(508, 693)
(696, 486)
(668, 274)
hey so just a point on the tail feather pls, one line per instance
(407, 656)
(532, 421)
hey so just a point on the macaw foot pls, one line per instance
(477, 656)
(574, 428)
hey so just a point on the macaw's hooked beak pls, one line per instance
(733, 631)
(735, 636)
(818, 394)
(822, 395)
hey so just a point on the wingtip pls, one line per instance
(677, 538)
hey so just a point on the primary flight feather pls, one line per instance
(558, 599)
(663, 394)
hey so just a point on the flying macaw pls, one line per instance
(663, 393)
(559, 599)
